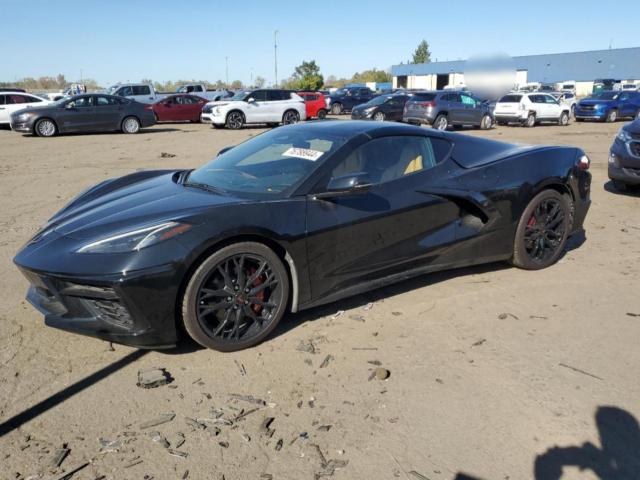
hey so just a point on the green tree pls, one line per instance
(307, 76)
(422, 53)
(236, 85)
(374, 75)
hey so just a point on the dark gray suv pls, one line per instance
(446, 108)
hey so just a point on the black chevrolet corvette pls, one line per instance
(293, 218)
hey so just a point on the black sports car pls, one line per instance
(296, 217)
(84, 113)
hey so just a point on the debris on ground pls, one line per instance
(479, 342)
(328, 467)
(337, 314)
(59, 456)
(358, 318)
(70, 473)
(324, 428)
(417, 475)
(326, 361)
(580, 371)
(631, 314)
(133, 462)
(368, 306)
(265, 427)
(306, 346)
(396, 314)
(380, 374)
(195, 424)
(159, 420)
(167, 155)
(279, 445)
(157, 437)
(178, 440)
(109, 446)
(503, 316)
(153, 378)
(377, 363)
(248, 398)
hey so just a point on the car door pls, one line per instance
(193, 107)
(77, 114)
(106, 113)
(472, 109)
(275, 105)
(393, 227)
(394, 107)
(552, 107)
(256, 109)
(457, 111)
(4, 113)
(143, 94)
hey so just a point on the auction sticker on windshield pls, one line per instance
(304, 153)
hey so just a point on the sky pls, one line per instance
(118, 40)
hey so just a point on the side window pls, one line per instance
(102, 102)
(141, 90)
(15, 99)
(389, 158)
(31, 99)
(2, 99)
(550, 99)
(455, 97)
(258, 96)
(274, 95)
(467, 100)
(125, 92)
(81, 102)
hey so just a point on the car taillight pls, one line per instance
(427, 104)
(584, 162)
(148, 107)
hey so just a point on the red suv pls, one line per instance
(314, 103)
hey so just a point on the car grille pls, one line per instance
(587, 108)
(110, 311)
(635, 148)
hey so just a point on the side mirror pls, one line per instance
(69, 106)
(225, 149)
(251, 100)
(350, 184)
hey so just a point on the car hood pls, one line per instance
(133, 201)
(633, 127)
(38, 109)
(596, 102)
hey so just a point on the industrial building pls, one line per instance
(582, 67)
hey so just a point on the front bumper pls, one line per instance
(212, 117)
(361, 115)
(22, 126)
(623, 164)
(591, 114)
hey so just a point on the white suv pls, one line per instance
(13, 101)
(270, 106)
(528, 109)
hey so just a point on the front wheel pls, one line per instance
(542, 231)
(563, 121)
(378, 117)
(236, 297)
(336, 108)
(290, 117)
(235, 120)
(486, 123)
(130, 125)
(612, 116)
(45, 128)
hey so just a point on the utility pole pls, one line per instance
(275, 55)
(80, 75)
(226, 61)
(252, 76)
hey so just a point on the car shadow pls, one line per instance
(143, 131)
(631, 191)
(617, 458)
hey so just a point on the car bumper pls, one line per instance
(510, 117)
(25, 127)
(589, 114)
(361, 115)
(420, 119)
(623, 166)
(212, 118)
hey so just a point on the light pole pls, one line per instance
(275, 54)
(226, 69)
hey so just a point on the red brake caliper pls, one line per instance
(532, 221)
(260, 295)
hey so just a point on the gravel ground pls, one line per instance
(491, 368)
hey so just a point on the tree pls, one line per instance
(260, 81)
(422, 53)
(236, 85)
(374, 75)
(307, 76)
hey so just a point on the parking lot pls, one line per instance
(490, 367)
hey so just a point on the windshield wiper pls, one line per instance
(205, 187)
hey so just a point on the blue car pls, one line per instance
(624, 157)
(608, 106)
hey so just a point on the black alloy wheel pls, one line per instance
(543, 230)
(236, 297)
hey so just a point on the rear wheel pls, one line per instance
(235, 120)
(542, 231)
(290, 117)
(612, 116)
(45, 128)
(530, 121)
(486, 123)
(336, 108)
(236, 297)
(322, 113)
(130, 125)
(441, 122)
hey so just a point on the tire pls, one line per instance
(379, 116)
(638, 115)
(336, 108)
(130, 125)
(486, 123)
(573, 111)
(217, 126)
(530, 121)
(441, 122)
(549, 214)
(235, 120)
(322, 114)
(45, 127)
(563, 121)
(214, 324)
(620, 186)
(290, 117)
(612, 116)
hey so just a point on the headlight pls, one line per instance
(623, 135)
(23, 117)
(137, 239)
(369, 111)
(216, 110)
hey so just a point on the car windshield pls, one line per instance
(270, 164)
(112, 89)
(341, 91)
(239, 96)
(605, 96)
(379, 100)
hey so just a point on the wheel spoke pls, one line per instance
(223, 323)
(208, 293)
(255, 274)
(271, 280)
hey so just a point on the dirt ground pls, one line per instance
(491, 367)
